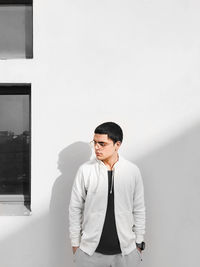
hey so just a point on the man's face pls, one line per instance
(104, 146)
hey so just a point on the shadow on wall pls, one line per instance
(172, 193)
(172, 196)
(69, 161)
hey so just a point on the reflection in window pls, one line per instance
(15, 147)
(16, 29)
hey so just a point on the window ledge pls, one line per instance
(13, 205)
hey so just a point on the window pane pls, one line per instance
(16, 30)
(15, 144)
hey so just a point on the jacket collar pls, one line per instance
(101, 163)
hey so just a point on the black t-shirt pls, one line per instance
(109, 241)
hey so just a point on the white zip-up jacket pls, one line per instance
(88, 205)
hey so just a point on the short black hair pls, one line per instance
(112, 129)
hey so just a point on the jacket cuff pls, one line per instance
(75, 242)
(139, 238)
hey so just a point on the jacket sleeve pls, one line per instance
(76, 207)
(139, 208)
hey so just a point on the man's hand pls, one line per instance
(139, 249)
(74, 249)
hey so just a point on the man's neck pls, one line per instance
(110, 162)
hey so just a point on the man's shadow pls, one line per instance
(69, 160)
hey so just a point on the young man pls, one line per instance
(107, 210)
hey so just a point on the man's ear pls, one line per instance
(118, 144)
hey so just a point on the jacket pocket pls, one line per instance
(125, 223)
(91, 227)
(139, 254)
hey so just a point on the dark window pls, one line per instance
(16, 2)
(15, 146)
(16, 29)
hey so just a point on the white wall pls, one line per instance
(132, 62)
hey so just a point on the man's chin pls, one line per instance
(99, 156)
